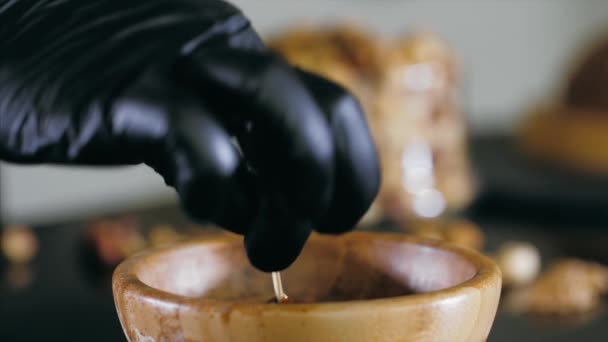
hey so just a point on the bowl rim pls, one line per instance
(487, 275)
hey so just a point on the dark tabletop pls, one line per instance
(66, 299)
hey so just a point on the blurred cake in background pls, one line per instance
(410, 92)
(573, 133)
(588, 85)
(344, 54)
(421, 130)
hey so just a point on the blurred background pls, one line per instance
(512, 54)
(491, 118)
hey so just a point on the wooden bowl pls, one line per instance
(370, 287)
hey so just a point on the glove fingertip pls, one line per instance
(274, 241)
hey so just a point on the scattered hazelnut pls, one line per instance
(569, 286)
(519, 262)
(19, 277)
(19, 244)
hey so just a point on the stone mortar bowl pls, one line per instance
(361, 286)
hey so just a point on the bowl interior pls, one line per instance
(330, 269)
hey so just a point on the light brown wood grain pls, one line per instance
(356, 287)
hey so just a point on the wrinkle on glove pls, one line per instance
(187, 87)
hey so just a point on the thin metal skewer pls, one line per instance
(278, 287)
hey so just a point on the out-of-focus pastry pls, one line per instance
(568, 138)
(572, 133)
(346, 54)
(459, 232)
(198, 230)
(569, 286)
(432, 229)
(587, 87)
(421, 131)
(409, 90)
(19, 244)
(519, 262)
(465, 233)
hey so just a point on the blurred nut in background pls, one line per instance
(520, 263)
(19, 244)
(569, 286)
(19, 277)
(113, 240)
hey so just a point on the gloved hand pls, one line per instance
(188, 88)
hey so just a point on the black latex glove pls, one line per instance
(174, 84)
